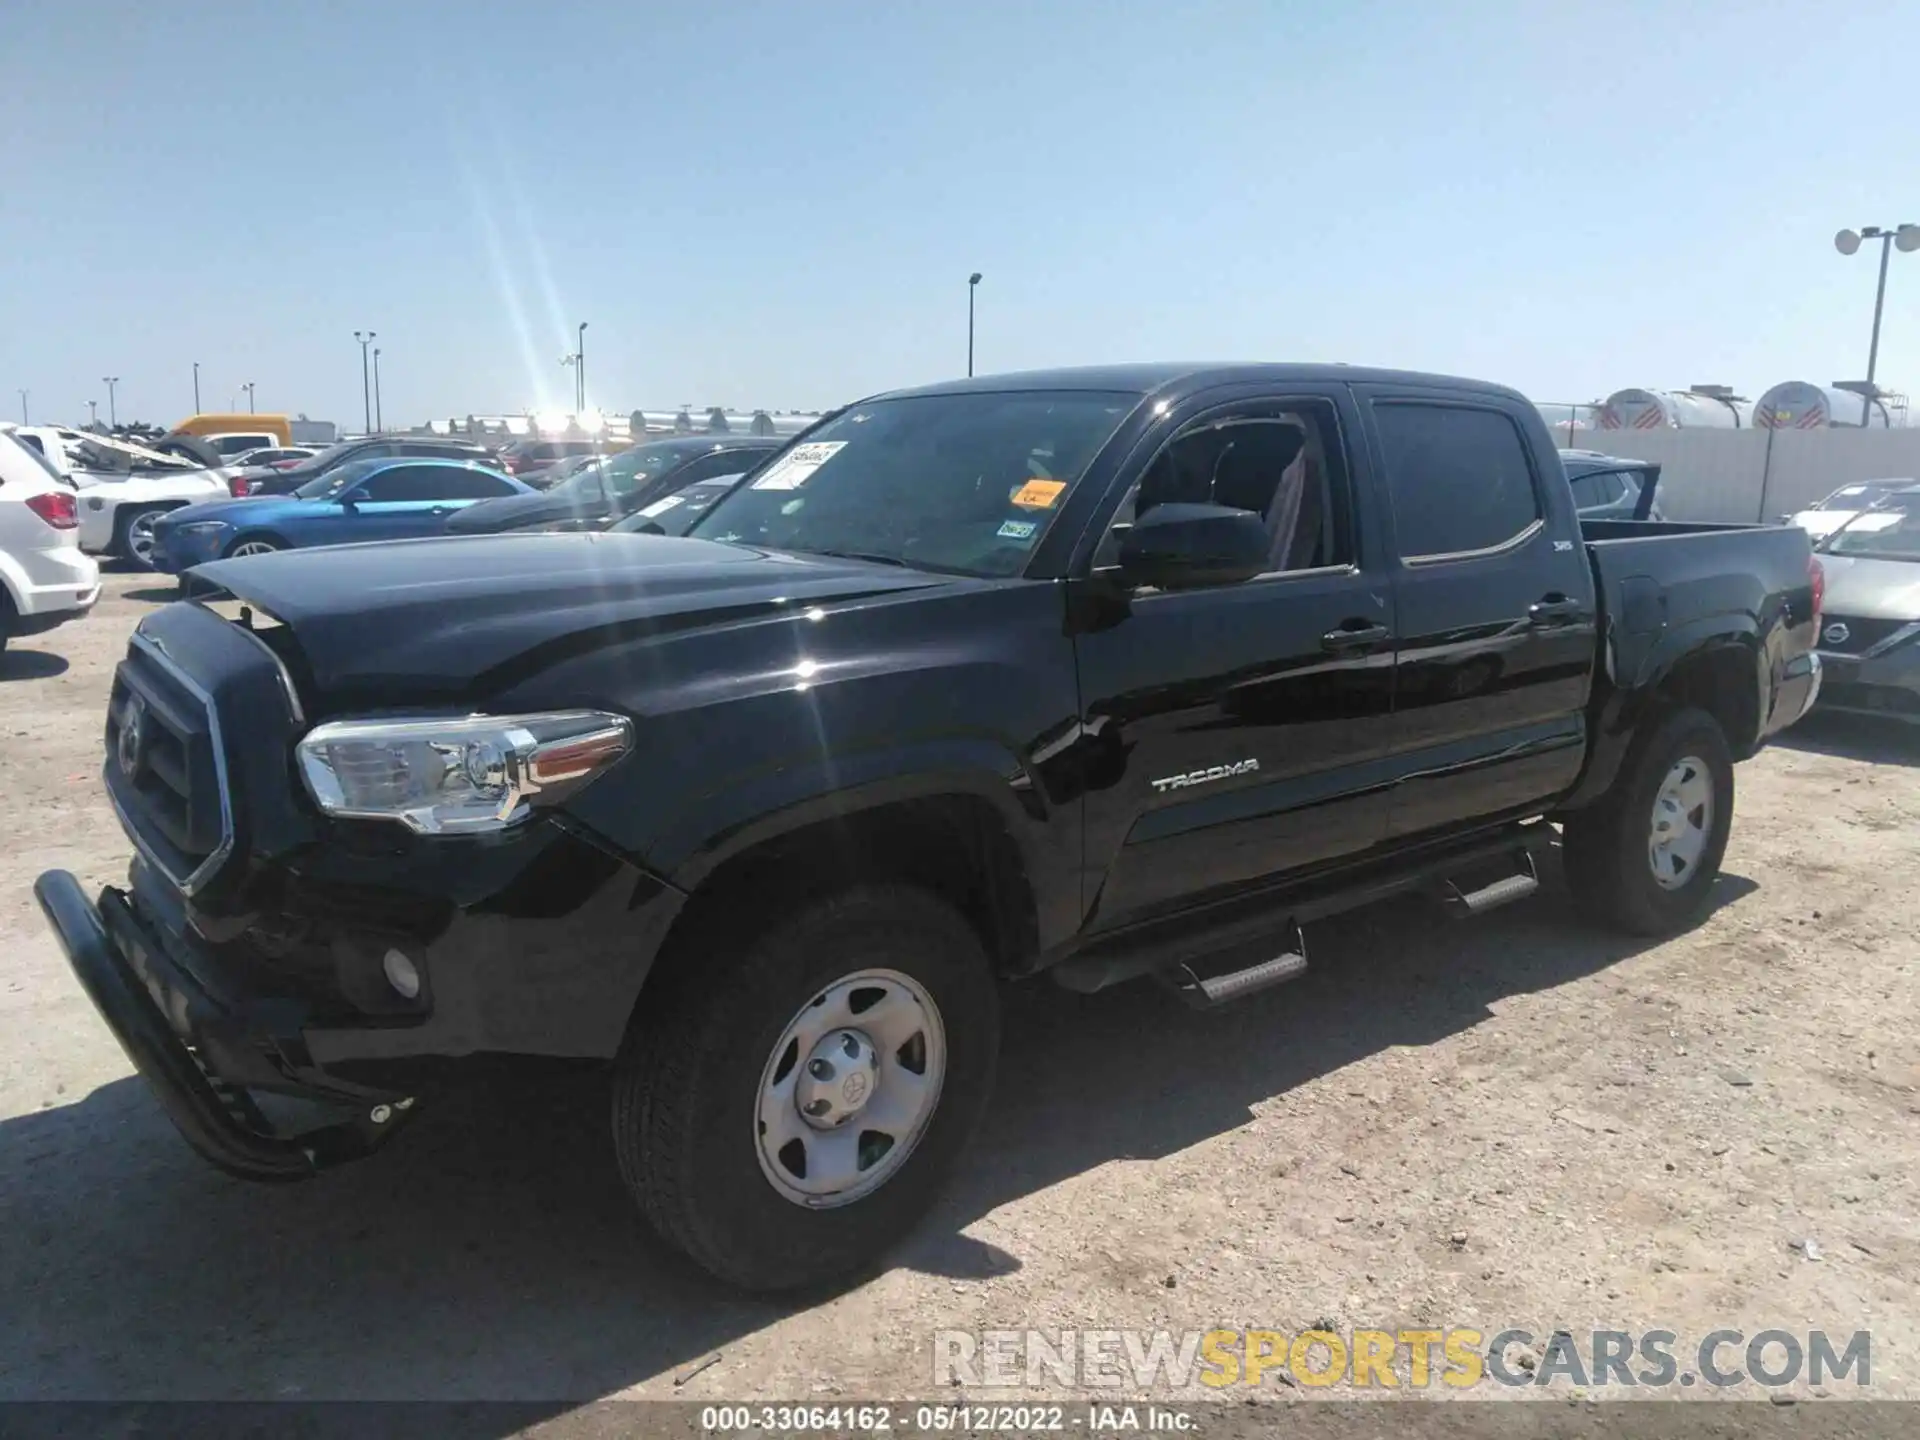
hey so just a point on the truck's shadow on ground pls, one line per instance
(491, 1253)
(17, 664)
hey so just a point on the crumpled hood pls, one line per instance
(423, 620)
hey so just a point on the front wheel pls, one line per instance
(783, 1114)
(1644, 859)
(253, 545)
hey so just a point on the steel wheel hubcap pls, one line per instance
(1682, 821)
(140, 537)
(850, 1088)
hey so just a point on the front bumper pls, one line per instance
(1886, 685)
(181, 1036)
(174, 552)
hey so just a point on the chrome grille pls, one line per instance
(1853, 634)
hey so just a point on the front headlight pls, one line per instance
(460, 774)
(202, 527)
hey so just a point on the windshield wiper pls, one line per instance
(855, 555)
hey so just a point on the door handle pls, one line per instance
(1553, 610)
(1357, 637)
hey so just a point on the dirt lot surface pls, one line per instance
(1507, 1122)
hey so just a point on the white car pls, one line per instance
(45, 578)
(125, 487)
(1843, 504)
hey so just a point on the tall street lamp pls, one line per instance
(973, 283)
(93, 414)
(580, 369)
(248, 387)
(1907, 237)
(23, 409)
(379, 424)
(366, 382)
(113, 415)
(196, 387)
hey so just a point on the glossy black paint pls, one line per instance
(773, 692)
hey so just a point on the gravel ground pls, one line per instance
(1507, 1122)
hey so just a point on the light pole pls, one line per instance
(196, 387)
(23, 409)
(113, 414)
(366, 383)
(248, 387)
(93, 414)
(1907, 237)
(379, 424)
(973, 283)
(580, 369)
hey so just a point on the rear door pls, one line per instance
(1497, 618)
(1237, 732)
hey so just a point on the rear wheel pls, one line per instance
(784, 1113)
(137, 543)
(1644, 859)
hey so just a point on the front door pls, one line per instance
(1236, 732)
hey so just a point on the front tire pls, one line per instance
(252, 545)
(785, 1112)
(1643, 859)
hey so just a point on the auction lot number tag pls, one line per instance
(796, 467)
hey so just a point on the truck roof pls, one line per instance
(1175, 378)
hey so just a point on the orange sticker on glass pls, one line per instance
(1039, 494)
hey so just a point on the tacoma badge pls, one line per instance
(1202, 777)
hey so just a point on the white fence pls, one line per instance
(1748, 475)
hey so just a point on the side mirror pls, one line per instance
(1186, 547)
(350, 505)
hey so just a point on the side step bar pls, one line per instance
(1465, 903)
(1204, 992)
(1182, 950)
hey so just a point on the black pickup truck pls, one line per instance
(1102, 674)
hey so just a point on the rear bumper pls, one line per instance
(181, 1038)
(51, 585)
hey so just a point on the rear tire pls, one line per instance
(724, 1048)
(133, 539)
(1644, 858)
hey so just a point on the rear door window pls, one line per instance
(1459, 479)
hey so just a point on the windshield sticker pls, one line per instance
(1018, 529)
(660, 507)
(796, 467)
(1039, 494)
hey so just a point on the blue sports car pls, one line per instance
(387, 499)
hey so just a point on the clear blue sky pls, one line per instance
(778, 204)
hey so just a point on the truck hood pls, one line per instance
(419, 621)
(1870, 589)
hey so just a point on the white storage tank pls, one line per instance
(1799, 405)
(1702, 408)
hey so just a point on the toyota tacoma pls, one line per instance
(1096, 674)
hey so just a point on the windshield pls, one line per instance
(1860, 496)
(336, 480)
(620, 474)
(675, 514)
(1889, 534)
(964, 483)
